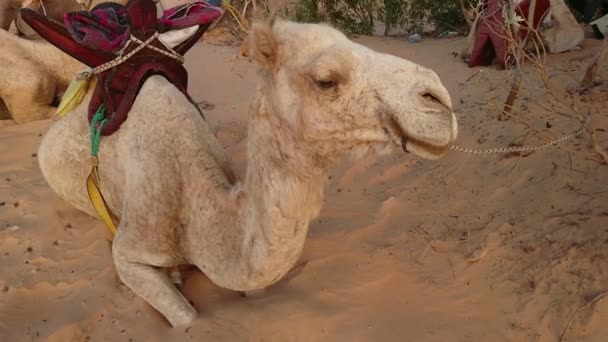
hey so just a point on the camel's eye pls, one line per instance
(325, 84)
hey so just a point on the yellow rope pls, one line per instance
(97, 200)
(93, 180)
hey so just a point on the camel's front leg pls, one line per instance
(153, 285)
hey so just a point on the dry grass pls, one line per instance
(237, 17)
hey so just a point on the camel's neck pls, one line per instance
(282, 193)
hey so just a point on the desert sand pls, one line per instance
(469, 248)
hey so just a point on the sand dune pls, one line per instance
(469, 248)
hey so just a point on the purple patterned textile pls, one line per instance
(180, 17)
(107, 28)
(103, 28)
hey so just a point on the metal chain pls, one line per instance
(519, 148)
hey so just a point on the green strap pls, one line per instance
(98, 118)
(93, 182)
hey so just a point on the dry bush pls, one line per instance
(529, 77)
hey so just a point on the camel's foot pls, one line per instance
(154, 286)
(183, 318)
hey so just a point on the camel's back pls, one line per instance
(174, 126)
(163, 140)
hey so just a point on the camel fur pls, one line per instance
(320, 97)
(34, 74)
(8, 12)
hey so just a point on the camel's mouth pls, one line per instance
(409, 144)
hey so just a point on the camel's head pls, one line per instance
(339, 96)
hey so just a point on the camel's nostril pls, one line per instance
(432, 98)
(435, 101)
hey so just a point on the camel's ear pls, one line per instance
(262, 45)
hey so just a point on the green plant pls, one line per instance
(353, 16)
(307, 11)
(361, 16)
(440, 15)
(394, 11)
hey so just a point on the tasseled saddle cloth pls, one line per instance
(122, 45)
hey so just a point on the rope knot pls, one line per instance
(89, 72)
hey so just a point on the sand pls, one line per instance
(469, 248)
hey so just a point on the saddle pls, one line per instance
(124, 45)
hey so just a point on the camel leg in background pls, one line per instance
(30, 101)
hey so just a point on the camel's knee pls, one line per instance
(127, 268)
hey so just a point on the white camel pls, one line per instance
(164, 174)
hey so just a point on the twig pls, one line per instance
(419, 228)
(465, 13)
(519, 56)
(594, 300)
(512, 95)
(451, 267)
(587, 81)
(472, 76)
(597, 147)
(568, 213)
(538, 60)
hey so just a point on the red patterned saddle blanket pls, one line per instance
(124, 45)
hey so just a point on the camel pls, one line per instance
(320, 98)
(54, 9)
(9, 11)
(34, 74)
